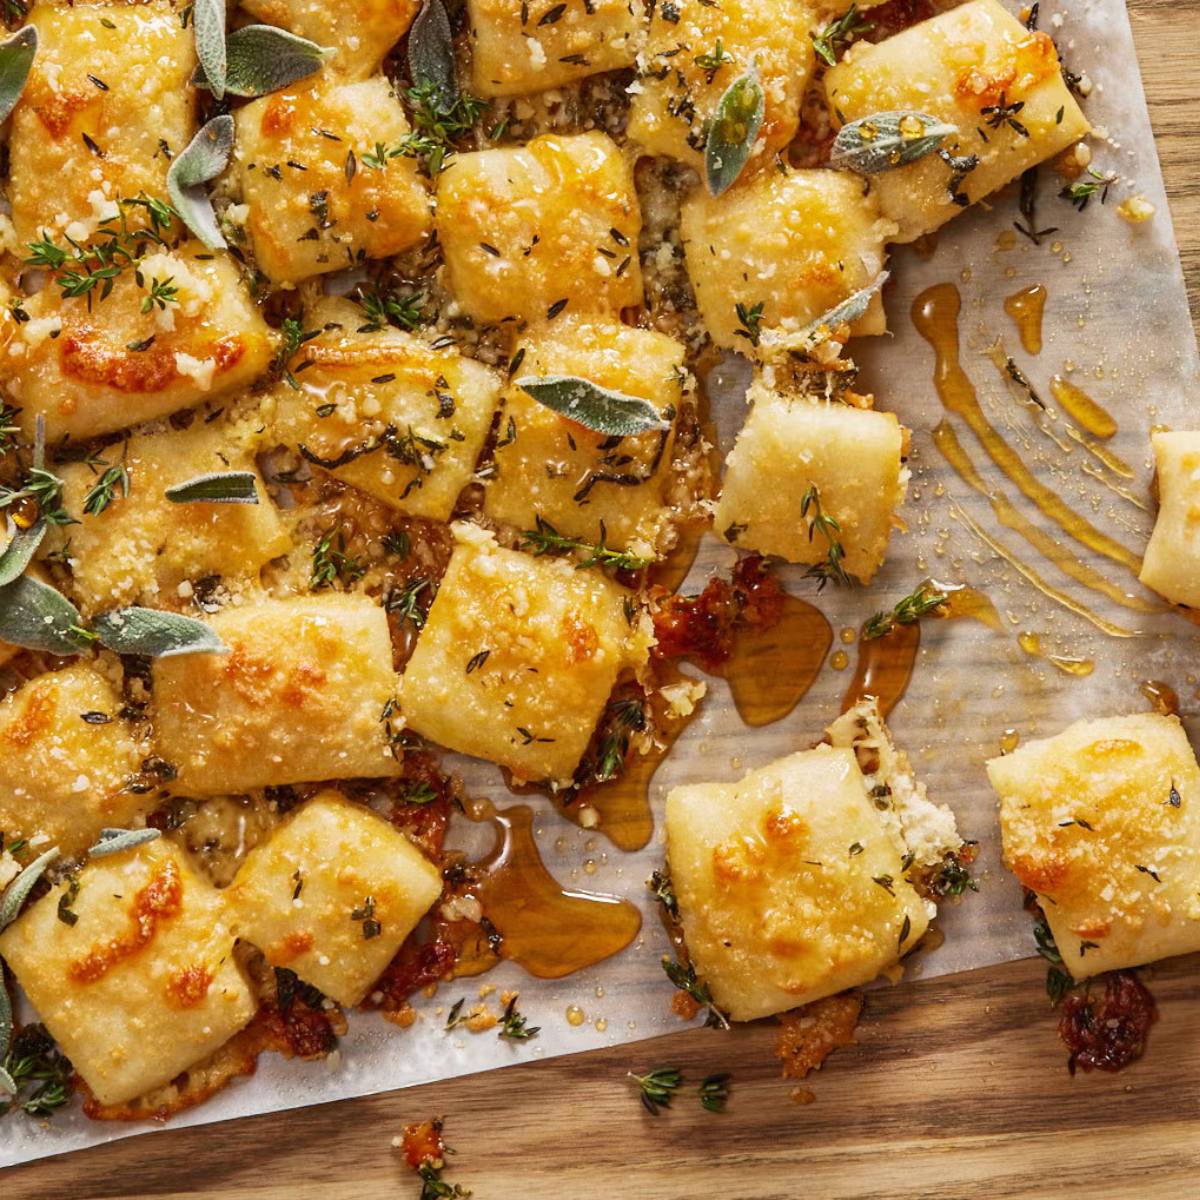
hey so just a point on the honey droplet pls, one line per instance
(847, 635)
(1082, 409)
(1068, 664)
(1162, 696)
(839, 660)
(1010, 739)
(601, 1024)
(1026, 308)
(575, 1015)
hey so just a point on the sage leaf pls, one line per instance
(735, 125)
(208, 21)
(218, 487)
(596, 408)
(34, 615)
(204, 158)
(6, 1031)
(155, 633)
(18, 891)
(845, 313)
(887, 140)
(116, 841)
(16, 57)
(263, 58)
(431, 52)
(20, 551)
(7, 1085)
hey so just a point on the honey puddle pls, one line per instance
(549, 930)
(1068, 664)
(1026, 308)
(935, 315)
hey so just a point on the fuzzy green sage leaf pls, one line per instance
(35, 616)
(16, 57)
(20, 551)
(596, 408)
(263, 58)
(155, 633)
(218, 487)
(886, 140)
(431, 53)
(208, 22)
(117, 841)
(845, 313)
(18, 891)
(731, 135)
(204, 158)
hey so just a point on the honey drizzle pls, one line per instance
(1026, 308)
(952, 450)
(1082, 409)
(548, 930)
(1068, 664)
(884, 668)
(935, 315)
(1162, 696)
(1047, 590)
(966, 602)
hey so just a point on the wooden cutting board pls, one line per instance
(957, 1087)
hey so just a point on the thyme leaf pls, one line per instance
(832, 568)
(837, 34)
(656, 1088)
(908, 611)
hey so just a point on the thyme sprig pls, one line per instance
(832, 568)
(513, 1027)
(656, 1087)
(1059, 981)
(909, 611)
(294, 336)
(1081, 191)
(838, 34)
(332, 565)
(685, 979)
(714, 1092)
(9, 429)
(437, 125)
(710, 62)
(407, 602)
(545, 539)
(39, 1072)
(383, 307)
(104, 491)
(750, 320)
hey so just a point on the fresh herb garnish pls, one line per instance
(16, 58)
(66, 914)
(117, 841)
(154, 633)
(202, 160)
(332, 565)
(545, 539)
(663, 891)
(1004, 113)
(38, 1072)
(104, 491)
(832, 567)
(1081, 191)
(513, 1027)
(714, 1092)
(365, 914)
(886, 140)
(712, 61)
(732, 132)
(951, 878)
(385, 307)
(838, 34)
(216, 487)
(1058, 979)
(407, 603)
(909, 611)
(656, 1087)
(264, 58)
(685, 979)
(597, 408)
(750, 320)
(960, 167)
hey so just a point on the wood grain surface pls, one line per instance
(956, 1088)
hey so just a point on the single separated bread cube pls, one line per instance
(532, 230)
(1171, 565)
(978, 68)
(67, 759)
(332, 895)
(849, 461)
(696, 49)
(517, 658)
(1102, 822)
(790, 886)
(142, 547)
(322, 193)
(584, 484)
(521, 48)
(359, 32)
(144, 983)
(385, 412)
(298, 698)
(107, 106)
(90, 367)
(796, 244)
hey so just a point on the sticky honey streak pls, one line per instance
(952, 450)
(1082, 409)
(1026, 308)
(935, 315)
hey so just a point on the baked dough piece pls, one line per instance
(67, 760)
(91, 370)
(517, 658)
(951, 67)
(428, 411)
(1103, 823)
(141, 117)
(520, 48)
(314, 208)
(299, 697)
(332, 895)
(790, 886)
(551, 467)
(529, 229)
(852, 456)
(142, 547)
(144, 984)
(1172, 562)
(359, 32)
(680, 84)
(797, 243)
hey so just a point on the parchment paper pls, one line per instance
(1116, 305)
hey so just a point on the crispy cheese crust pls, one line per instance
(1102, 822)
